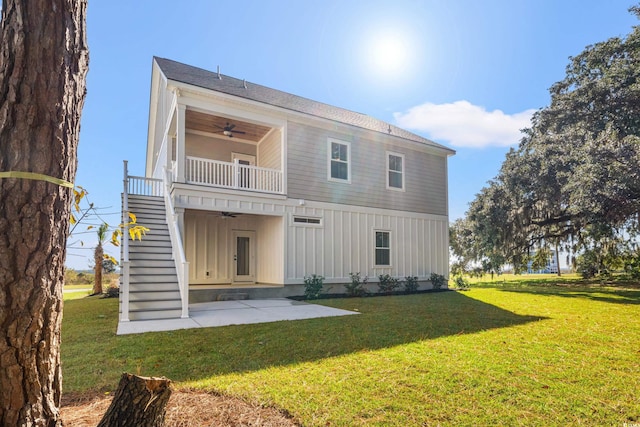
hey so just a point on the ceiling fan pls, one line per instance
(228, 214)
(228, 130)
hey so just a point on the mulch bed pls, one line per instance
(185, 409)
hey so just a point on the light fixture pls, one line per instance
(227, 133)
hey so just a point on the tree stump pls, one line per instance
(138, 402)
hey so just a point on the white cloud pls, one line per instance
(463, 124)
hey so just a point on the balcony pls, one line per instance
(235, 176)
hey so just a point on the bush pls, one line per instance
(357, 286)
(462, 283)
(411, 284)
(112, 292)
(588, 265)
(437, 281)
(312, 286)
(387, 284)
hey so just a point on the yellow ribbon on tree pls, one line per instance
(36, 177)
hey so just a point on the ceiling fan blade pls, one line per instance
(229, 127)
(238, 131)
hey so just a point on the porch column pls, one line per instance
(180, 142)
(168, 143)
(180, 220)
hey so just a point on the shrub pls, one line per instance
(462, 283)
(387, 284)
(411, 284)
(357, 286)
(312, 286)
(437, 280)
(112, 292)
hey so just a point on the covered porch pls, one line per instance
(232, 252)
(220, 149)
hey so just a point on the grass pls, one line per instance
(513, 352)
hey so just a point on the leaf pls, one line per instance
(89, 227)
(137, 232)
(73, 219)
(115, 237)
(110, 258)
(133, 218)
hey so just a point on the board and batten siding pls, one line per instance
(209, 246)
(425, 180)
(344, 243)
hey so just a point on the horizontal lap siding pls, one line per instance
(425, 179)
(269, 151)
(216, 148)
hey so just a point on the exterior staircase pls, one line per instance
(154, 292)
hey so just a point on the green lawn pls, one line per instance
(511, 352)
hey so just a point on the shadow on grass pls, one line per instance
(613, 296)
(384, 322)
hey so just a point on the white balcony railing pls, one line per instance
(141, 186)
(233, 175)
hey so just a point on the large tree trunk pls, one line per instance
(43, 66)
(138, 402)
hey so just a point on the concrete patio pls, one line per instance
(224, 313)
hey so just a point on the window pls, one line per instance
(339, 161)
(395, 171)
(303, 220)
(383, 250)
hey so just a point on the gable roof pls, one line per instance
(199, 77)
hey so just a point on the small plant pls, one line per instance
(411, 284)
(462, 283)
(357, 286)
(387, 284)
(437, 280)
(112, 292)
(312, 286)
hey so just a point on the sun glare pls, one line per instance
(389, 53)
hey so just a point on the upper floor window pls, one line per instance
(395, 171)
(339, 161)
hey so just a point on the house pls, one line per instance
(551, 265)
(249, 189)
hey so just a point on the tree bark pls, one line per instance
(138, 402)
(43, 66)
(97, 269)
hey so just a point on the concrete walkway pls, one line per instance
(224, 313)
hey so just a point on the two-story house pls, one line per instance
(250, 189)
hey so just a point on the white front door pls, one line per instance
(244, 256)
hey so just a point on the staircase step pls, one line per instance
(153, 278)
(154, 305)
(150, 256)
(152, 263)
(155, 315)
(154, 296)
(153, 287)
(137, 247)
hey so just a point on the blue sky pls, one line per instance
(464, 73)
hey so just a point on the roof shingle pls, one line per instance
(195, 76)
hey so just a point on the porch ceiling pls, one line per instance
(214, 124)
